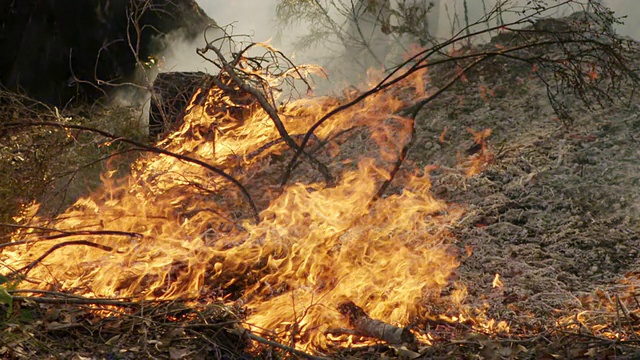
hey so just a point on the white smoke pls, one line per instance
(254, 18)
(257, 19)
(452, 13)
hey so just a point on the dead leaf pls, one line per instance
(504, 352)
(80, 357)
(177, 354)
(113, 340)
(405, 353)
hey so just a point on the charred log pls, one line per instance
(366, 326)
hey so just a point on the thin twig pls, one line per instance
(75, 301)
(286, 348)
(59, 294)
(55, 247)
(63, 234)
(267, 146)
(626, 317)
(398, 163)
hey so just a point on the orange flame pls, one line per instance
(479, 155)
(315, 245)
(496, 281)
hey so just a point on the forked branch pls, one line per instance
(236, 69)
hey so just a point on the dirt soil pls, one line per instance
(556, 214)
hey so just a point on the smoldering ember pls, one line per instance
(413, 193)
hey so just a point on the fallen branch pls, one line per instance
(367, 326)
(74, 301)
(57, 294)
(251, 336)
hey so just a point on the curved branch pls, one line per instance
(63, 234)
(398, 163)
(55, 247)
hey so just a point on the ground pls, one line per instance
(556, 213)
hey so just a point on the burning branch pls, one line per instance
(66, 233)
(387, 82)
(398, 163)
(571, 46)
(240, 71)
(267, 146)
(63, 235)
(71, 300)
(367, 326)
(55, 247)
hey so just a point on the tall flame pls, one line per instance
(314, 247)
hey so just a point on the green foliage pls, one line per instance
(7, 300)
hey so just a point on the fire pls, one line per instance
(496, 283)
(480, 156)
(185, 232)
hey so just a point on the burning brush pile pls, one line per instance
(297, 228)
(217, 212)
